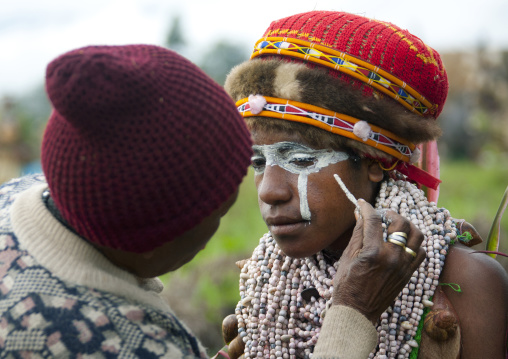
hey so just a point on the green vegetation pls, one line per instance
(473, 192)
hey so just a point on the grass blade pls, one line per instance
(495, 230)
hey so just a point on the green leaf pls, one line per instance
(465, 237)
(454, 286)
(495, 230)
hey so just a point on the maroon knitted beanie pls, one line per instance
(141, 145)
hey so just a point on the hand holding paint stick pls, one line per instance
(352, 198)
(371, 272)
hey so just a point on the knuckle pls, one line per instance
(401, 223)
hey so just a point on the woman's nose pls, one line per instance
(274, 185)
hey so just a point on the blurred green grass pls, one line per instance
(473, 191)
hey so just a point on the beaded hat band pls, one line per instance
(331, 121)
(405, 152)
(350, 65)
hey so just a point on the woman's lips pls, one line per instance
(285, 226)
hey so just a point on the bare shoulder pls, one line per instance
(474, 272)
(481, 304)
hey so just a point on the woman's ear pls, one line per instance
(375, 172)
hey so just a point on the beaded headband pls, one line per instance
(343, 125)
(352, 66)
(331, 121)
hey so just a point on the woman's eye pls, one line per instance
(258, 163)
(303, 161)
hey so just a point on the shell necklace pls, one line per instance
(284, 300)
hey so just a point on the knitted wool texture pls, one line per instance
(141, 145)
(84, 308)
(379, 43)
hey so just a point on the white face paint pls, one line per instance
(295, 158)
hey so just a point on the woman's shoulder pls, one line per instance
(467, 267)
(477, 288)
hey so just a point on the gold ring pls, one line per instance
(397, 237)
(402, 234)
(410, 251)
(394, 241)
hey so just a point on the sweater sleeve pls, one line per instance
(345, 334)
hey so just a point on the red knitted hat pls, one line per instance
(383, 56)
(377, 86)
(141, 145)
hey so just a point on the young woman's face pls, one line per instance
(300, 201)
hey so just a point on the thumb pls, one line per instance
(372, 228)
(356, 242)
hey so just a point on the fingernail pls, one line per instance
(358, 214)
(361, 200)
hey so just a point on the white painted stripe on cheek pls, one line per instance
(302, 192)
(274, 156)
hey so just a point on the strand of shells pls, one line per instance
(284, 300)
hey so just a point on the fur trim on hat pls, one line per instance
(316, 86)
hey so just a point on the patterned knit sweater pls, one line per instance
(61, 298)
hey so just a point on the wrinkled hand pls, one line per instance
(372, 272)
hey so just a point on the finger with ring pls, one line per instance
(397, 242)
(402, 234)
(410, 251)
(397, 237)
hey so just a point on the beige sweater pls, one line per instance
(346, 334)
